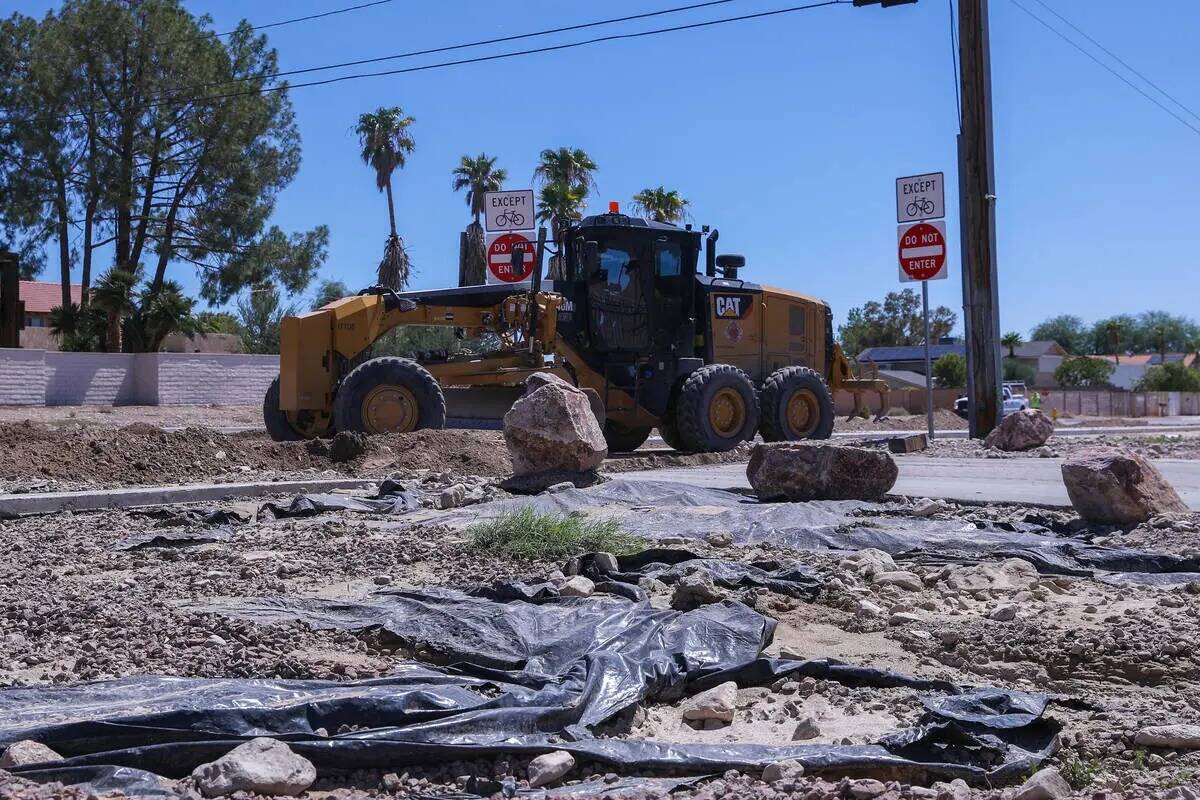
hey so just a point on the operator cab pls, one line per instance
(630, 287)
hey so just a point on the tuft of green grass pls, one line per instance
(527, 534)
(1080, 773)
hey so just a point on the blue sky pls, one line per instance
(786, 134)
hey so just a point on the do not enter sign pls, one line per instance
(500, 257)
(922, 251)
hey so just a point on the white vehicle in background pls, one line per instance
(1013, 395)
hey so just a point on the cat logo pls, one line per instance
(731, 306)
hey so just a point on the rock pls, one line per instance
(382, 580)
(806, 729)
(956, 789)
(26, 752)
(547, 768)
(1118, 488)
(720, 539)
(453, 496)
(605, 562)
(553, 428)
(1176, 737)
(261, 766)
(577, 586)
(552, 481)
(347, 446)
(1022, 430)
(1045, 784)
(801, 471)
(1012, 573)
(908, 581)
(927, 508)
(717, 703)
(868, 562)
(903, 618)
(539, 379)
(871, 609)
(783, 772)
(865, 788)
(695, 589)
(1003, 612)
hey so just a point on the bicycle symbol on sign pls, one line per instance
(921, 207)
(510, 219)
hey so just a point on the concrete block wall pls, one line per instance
(204, 378)
(39, 377)
(22, 377)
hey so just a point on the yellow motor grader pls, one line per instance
(706, 357)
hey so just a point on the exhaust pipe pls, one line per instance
(710, 254)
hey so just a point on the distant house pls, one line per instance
(40, 297)
(908, 358)
(1129, 369)
(1042, 357)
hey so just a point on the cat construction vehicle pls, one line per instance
(656, 339)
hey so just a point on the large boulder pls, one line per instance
(1115, 487)
(553, 428)
(262, 766)
(25, 752)
(1023, 430)
(804, 471)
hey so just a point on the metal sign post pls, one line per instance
(928, 362)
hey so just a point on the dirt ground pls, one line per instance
(1150, 445)
(79, 606)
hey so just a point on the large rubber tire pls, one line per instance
(669, 431)
(413, 392)
(278, 426)
(796, 404)
(624, 440)
(705, 394)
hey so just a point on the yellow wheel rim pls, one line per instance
(390, 409)
(803, 413)
(727, 413)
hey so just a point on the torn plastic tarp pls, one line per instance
(523, 679)
(392, 498)
(660, 509)
(166, 537)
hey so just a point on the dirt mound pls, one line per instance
(73, 457)
(943, 420)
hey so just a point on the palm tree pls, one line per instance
(566, 166)
(1012, 341)
(661, 205)
(164, 312)
(113, 294)
(1114, 332)
(386, 142)
(478, 176)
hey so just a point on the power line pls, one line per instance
(1118, 75)
(449, 48)
(283, 22)
(1118, 59)
(514, 54)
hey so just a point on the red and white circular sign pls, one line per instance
(922, 251)
(500, 258)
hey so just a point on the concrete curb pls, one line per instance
(19, 505)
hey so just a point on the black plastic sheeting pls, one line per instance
(659, 509)
(523, 678)
(392, 498)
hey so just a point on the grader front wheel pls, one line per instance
(389, 395)
(716, 409)
(292, 426)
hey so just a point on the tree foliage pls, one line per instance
(1012, 340)
(386, 143)
(950, 371)
(1083, 372)
(897, 321)
(118, 130)
(1067, 329)
(259, 312)
(661, 205)
(328, 291)
(478, 176)
(1017, 370)
(566, 176)
(1148, 332)
(1171, 377)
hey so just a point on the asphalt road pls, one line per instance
(1035, 481)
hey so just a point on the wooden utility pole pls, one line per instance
(977, 209)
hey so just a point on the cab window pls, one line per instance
(668, 260)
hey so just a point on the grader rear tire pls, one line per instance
(717, 409)
(389, 395)
(668, 429)
(796, 404)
